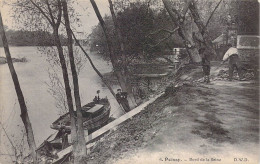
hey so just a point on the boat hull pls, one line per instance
(90, 122)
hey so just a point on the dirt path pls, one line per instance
(216, 123)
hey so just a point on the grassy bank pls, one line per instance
(217, 121)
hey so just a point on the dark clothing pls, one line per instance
(205, 62)
(96, 99)
(121, 95)
(65, 141)
(206, 69)
(125, 105)
(206, 65)
(233, 63)
(122, 99)
(118, 97)
(234, 59)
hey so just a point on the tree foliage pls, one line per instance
(139, 19)
(134, 22)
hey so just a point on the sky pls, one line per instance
(87, 15)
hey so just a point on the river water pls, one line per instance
(33, 76)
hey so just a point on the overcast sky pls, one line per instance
(88, 16)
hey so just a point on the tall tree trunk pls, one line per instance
(202, 28)
(80, 151)
(127, 87)
(120, 76)
(23, 107)
(95, 69)
(181, 31)
(212, 13)
(118, 32)
(47, 13)
(67, 87)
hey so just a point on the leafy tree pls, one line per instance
(136, 23)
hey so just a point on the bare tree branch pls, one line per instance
(92, 64)
(96, 70)
(176, 12)
(14, 149)
(161, 30)
(43, 13)
(59, 13)
(212, 13)
(181, 15)
(185, 9)
(148, 6)
(164, 39)
(24, 112)
(160, 41)
(50, 11)
(202, 29)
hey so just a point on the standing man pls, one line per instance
(233, 62)
(97, 99)
(205, 61)
(122, 99)
(64, 139)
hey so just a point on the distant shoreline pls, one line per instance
(26, 46)
(4, 61)
(37, 46)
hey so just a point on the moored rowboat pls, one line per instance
(95, 115)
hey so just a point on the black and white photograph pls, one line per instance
(129, 82)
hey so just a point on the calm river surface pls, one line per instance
(33, 76)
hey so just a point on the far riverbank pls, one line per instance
(4, 61)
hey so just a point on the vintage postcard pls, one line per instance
(129, 81)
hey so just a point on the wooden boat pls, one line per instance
(95, 115)
(48, 149)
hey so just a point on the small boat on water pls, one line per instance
(95, 115)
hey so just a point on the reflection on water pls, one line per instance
(33, 76)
